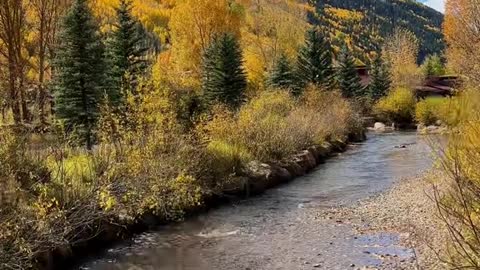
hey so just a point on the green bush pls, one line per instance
(398, 106)
(228, 157)
(430, 110)
(450, 111)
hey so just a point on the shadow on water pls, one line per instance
(252, 229)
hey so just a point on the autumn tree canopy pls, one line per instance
(194, 24)
(401, 52)
(462, 33)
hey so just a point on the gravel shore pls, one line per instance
(406, 214)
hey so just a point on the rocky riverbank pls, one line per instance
(399, 227)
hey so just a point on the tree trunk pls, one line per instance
(41, 73)
(14, 100)
(23, 99)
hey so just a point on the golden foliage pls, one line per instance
(401, 52)
(345, 14)
(274, 125)
(458, 201)
(153, 14)
(398, 106)
(194, 23)
(462, 29)
(446, 110)
(271, 27)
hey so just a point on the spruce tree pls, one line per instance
(348, 79)
(223, 78)
(126, 53)
(282, 75)
(433, 66)
(380, 79)
(315, 60)
(80, 72)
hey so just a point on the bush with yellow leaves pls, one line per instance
(274, 125)
(458, 198)
(398, 106)
(149, 164)
(58, 195)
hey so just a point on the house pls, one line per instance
(440, 86)
(431, 86)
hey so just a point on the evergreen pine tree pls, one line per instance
(348, 79)
(80, 72)
(282, 75)
(380, 79)
(433, 66)
(224, 78)
(315, 60)
(126, 52)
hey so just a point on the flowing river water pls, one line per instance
(278, 230)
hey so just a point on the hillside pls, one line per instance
(367, 22)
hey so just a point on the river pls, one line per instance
(277, 230)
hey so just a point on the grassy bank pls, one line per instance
(56, 197)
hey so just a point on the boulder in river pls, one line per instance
(381, 127)
(378, 126)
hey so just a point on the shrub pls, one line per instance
(329, 107)
(459, 198)
(274, 125)
(259, 127)
(227, 158)
(144, 152)
(398, 106)
(263, 128)
(450, 111)
(35, 214)
(430, 110)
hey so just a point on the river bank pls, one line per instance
(280, 229)
(404, 217)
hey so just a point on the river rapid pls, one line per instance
(279, 230)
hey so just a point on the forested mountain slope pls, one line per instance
(363, 22)
(367, 22)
